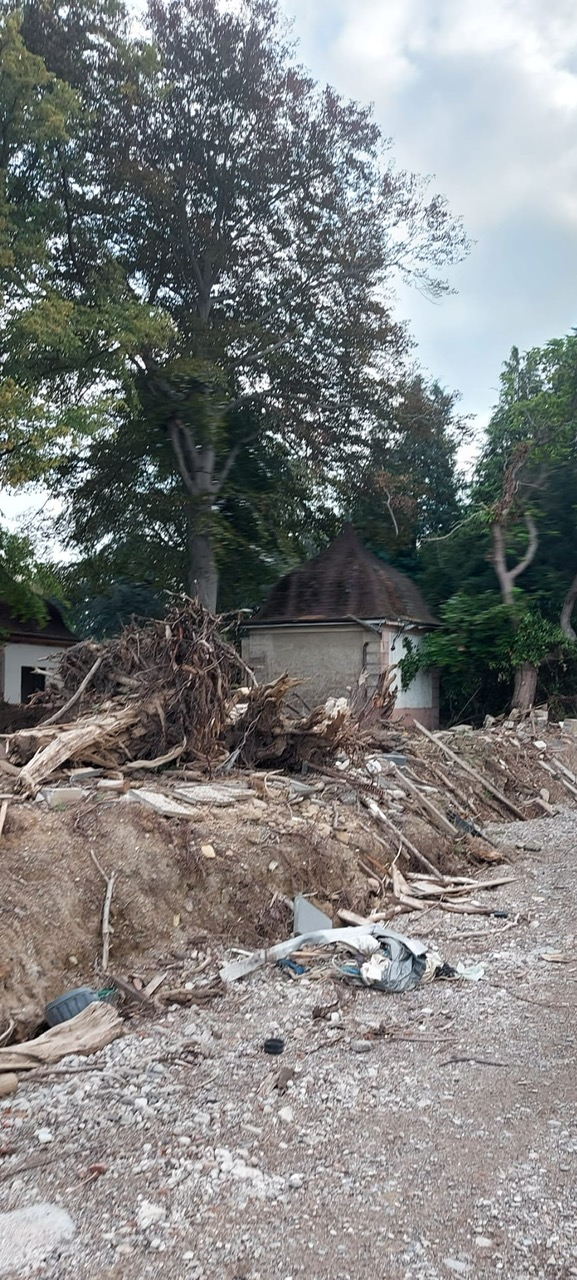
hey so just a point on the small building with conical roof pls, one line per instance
(338, 622)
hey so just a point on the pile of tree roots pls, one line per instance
(175, 690)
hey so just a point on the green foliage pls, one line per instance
(537, 411)
(410, 488)
(105, 615)
(25, 581)
(536, 639)
(213, 230)
(478, 647)
(482, 642)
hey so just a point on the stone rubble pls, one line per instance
(446, 1148)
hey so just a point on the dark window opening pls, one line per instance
(31, 681)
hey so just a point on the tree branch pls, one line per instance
(391, 512)
(203, 280)
(68, 215)
(244, 399)
(500, 563)
(220, 480)
(188, 480)
(531, 549)
(567, 610)
(507, 577)
(267, 351)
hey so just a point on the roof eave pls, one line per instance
(372, 623)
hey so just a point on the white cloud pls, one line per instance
(482, 94)
(485, 94)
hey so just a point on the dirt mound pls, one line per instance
(228, 874)
(168, 896)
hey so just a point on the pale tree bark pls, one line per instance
(202, 570)
(508, 577)
(203, 475)
(567, 611)
(203, 483)
(525, 686)
(526, 675)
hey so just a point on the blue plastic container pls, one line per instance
(67, 1006)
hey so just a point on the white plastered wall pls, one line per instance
(329, 660)
(420, 691)
(18, 655)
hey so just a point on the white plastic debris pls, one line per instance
(392, 962)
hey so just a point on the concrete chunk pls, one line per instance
(211, 793)
(28, 1236)
(63, 797)
(161, 803)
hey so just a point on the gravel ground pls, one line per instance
(446, 1146)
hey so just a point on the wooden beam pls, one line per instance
(468, 768)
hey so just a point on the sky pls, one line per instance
(483, 97)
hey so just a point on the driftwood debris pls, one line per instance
(63, 711)
(415, 892)
(175, 689)
(473, 773)
(105, 928)
(77, 742)
(92, 1029)
(425, 803)
(376, 812)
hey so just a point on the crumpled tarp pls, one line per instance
(392, 963)
(396, 967)
(384, 960)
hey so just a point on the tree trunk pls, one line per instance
(525, 686)
(508, 577)
(202, 570)
(567, 610)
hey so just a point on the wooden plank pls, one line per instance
(63, 711)
(448, 784)
(559, 777)
(377, 813)
(425, 803)
(474, 773)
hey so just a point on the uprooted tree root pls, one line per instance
(176, 689)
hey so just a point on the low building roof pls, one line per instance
(345, 581)
(29, 631)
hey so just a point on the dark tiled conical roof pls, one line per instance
(344, 581)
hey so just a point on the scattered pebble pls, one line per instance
(148, 1213)
(409, 1165)
(44, 1137)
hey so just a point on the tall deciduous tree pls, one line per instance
(224, 233)
(531, 441)
(410, 488)
(520, 532)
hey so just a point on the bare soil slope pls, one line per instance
(167, 894)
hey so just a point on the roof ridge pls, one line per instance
(345, 580)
